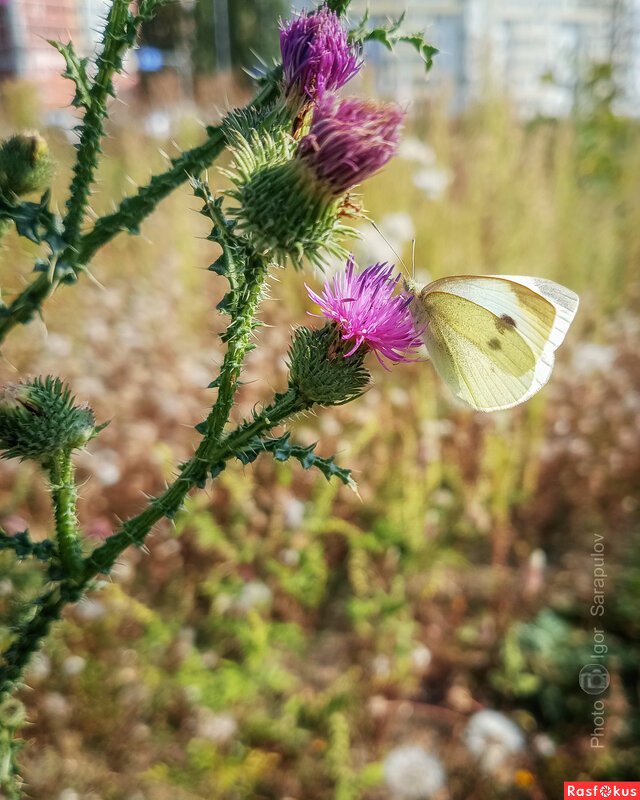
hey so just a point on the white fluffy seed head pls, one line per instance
(492, 738)
(413, 774)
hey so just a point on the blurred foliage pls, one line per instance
(604, 138)
(252, 36)
(286, 634)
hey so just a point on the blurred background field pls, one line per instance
(286, 636)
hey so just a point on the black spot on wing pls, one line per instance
(494, 344)
(504, 322)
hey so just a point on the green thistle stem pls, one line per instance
(130, 214)
(241, 329)
(133, 210)
(16, 658)
(340, 7)
(134, 531)
(64, 496)
(213, 451)
(116, 42)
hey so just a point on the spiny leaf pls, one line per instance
(219, 266)
(76, 71)
(216, 469)
(148, 8)
(35, 221)
(282, 450)
(226, 305)
(23, 547)
(391, 35)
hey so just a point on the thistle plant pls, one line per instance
(298, 154)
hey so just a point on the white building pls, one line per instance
(535, 50)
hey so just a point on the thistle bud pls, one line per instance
(39, 419)
(26, 164)
(318, 370)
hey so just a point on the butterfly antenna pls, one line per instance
(413, 259)
(389, 245)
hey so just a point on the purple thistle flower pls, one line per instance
(350, 141)
(365, 310)
(316, 56)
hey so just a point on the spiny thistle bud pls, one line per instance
(296, 206)
(318, 371)
(26, 164)
(280, 209)
(38, 419)
(316, 57)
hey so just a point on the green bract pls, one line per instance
(320, 372)
(38, 420)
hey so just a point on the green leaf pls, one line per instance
(76, 71)
(390, 35)
(339, 6)
(282, 450)
(148, 8)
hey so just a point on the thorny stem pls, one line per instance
(26, 304)
(64, 496)
(133, 531)
(194, 472)
(116, 43)
(132, 211)
(211, 454)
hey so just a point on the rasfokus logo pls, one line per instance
(597, 789)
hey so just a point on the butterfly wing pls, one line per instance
(493, 338)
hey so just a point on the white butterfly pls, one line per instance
(492, 338)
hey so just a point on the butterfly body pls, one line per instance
(492, 338)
